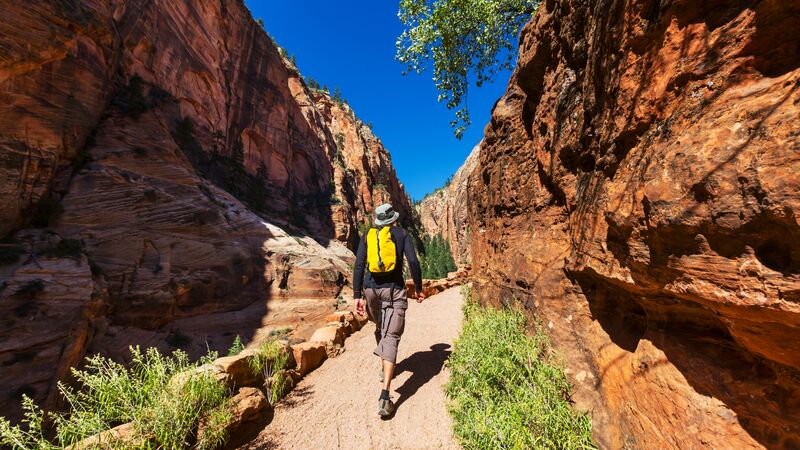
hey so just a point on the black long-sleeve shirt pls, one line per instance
(405, 246)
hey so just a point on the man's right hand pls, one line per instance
(361, 306)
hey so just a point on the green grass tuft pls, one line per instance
(164, 409)
(236, 347)
(506, 390)
(215, 428)
(280, 332)
(271, 363)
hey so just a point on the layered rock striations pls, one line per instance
(168, 180)
(363, 174)
(637, 193)
(444, 212)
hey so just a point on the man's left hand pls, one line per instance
(361, 306)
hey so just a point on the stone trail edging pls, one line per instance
(249, 404)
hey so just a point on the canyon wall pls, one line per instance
(363, 173)
(445, 210)
(637, 193)
(168, 180)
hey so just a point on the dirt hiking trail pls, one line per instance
(336, 406)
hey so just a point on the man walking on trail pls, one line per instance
(381, 252)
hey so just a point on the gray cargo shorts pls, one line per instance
(387, 308)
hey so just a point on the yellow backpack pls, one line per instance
(381, 251)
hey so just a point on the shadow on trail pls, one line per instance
(423, 367)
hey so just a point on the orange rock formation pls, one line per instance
(445, 211)
(637, 192)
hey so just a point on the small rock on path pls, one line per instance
(336, 406)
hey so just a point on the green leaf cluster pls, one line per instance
(460, 37)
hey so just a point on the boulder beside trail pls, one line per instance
(239, 368)
(118, 437)
(308, 356)
(332, 336)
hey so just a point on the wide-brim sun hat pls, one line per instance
(385, 215)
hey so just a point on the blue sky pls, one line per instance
(351, 44)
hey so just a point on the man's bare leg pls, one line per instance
(386, 407)
(388, 374)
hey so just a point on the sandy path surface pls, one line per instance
(336, 406)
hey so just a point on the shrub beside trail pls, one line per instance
(507, 390)
(164, 412)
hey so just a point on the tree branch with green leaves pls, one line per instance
(461, 38)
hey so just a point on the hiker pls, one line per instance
(381, 252)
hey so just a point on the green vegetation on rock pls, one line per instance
(236, 347)
(507, 390)
(438, 191)
(338, 97)
(226, 171)
(271, 362)
(312, 83)
(363, 227)
(460, 37)
(163, 408)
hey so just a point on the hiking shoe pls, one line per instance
(385, 408)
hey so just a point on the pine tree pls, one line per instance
(337, 96)
(436, 258)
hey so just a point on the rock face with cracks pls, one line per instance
(201, 189)
(445, 211)
(637, 193)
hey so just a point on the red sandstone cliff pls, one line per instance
(445, 211)
(363, 172)
(167, 180)
(637, 191)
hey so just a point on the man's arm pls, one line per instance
(358, 269)
(413, 263)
